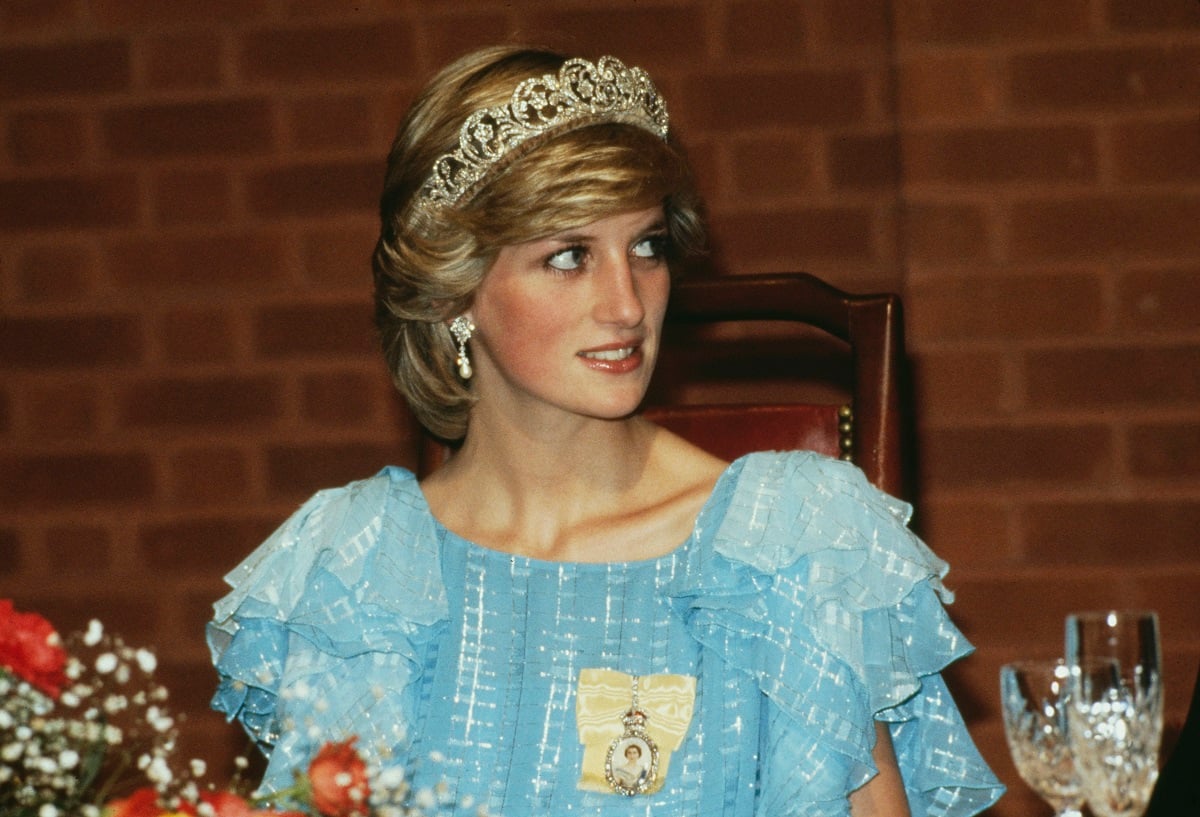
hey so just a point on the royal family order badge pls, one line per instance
(631, 765)
(629, 726)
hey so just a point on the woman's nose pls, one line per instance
(618, 299)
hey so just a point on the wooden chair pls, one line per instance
(712, 332)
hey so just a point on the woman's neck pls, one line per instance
(594, 490)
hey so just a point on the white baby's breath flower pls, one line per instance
(146, 660)
(48, 810)
(159, 772)
(198, 767)
(106, 662)
(68, 759)
(95, 631)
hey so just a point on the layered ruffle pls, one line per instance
(345, 595)
(813, 585)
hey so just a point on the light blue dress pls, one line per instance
(801, 604)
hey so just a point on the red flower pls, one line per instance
(142, 803)
(31, 649)
(338, 777)
(227, 804)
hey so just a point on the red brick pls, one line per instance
(10, 551)
(222, 401)
(316, 189)
(383, 50)
(840, 24)
(864, 162)
(193, 335)
(79, 550)
(190, 196)
(70, 342)
(994, 456)
(448, 36)
(1110, 378)
(950, 21)
(299, 470)
(73, 480)
(649, 36)
(339, 398)
(1158, 300)
(96, 67)
(937, 86)
(1165, 450)
(789, 170)
(214, 261)
(16, 15)
(330, 122)
(134, 14)
(756, 29)
(1102, 533)
(203, 476)
(221, 127)
(340, 256)
(46, 138)
(63, 411)
(300, 9)
(1103, 79)
(68, 202)
(971, 536)
(937, 232)
(766, 99)
(795, 238)
(304, 330)
(1104, 226)
(1148, 15)
(192, 60)
(1166, 151)
(973, 156)
(200, 545)
(133, 616)
(1023, 613)
(55, 272)
(1005, 307)
(957, 384)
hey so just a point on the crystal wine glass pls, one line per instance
(1032, 695)
(1115, 708)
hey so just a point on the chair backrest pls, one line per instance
(866, 427)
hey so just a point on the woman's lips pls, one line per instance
(615, 359)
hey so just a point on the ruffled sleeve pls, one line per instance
(329, 622)
(814, 586)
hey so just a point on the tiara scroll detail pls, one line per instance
(580, 94)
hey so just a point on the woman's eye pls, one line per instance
(652, 246)
(567, 260)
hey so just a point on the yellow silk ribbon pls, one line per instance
(605, 695)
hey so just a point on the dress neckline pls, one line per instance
(725, 481)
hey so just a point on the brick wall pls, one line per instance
(186, 200)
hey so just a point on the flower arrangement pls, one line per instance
(85, 732)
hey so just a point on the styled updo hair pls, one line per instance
(428, 263)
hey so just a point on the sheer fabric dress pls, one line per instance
(761, 650)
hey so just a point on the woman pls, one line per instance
(575, 580)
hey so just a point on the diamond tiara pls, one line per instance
(580, 94)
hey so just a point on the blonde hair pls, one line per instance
(428, 263)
